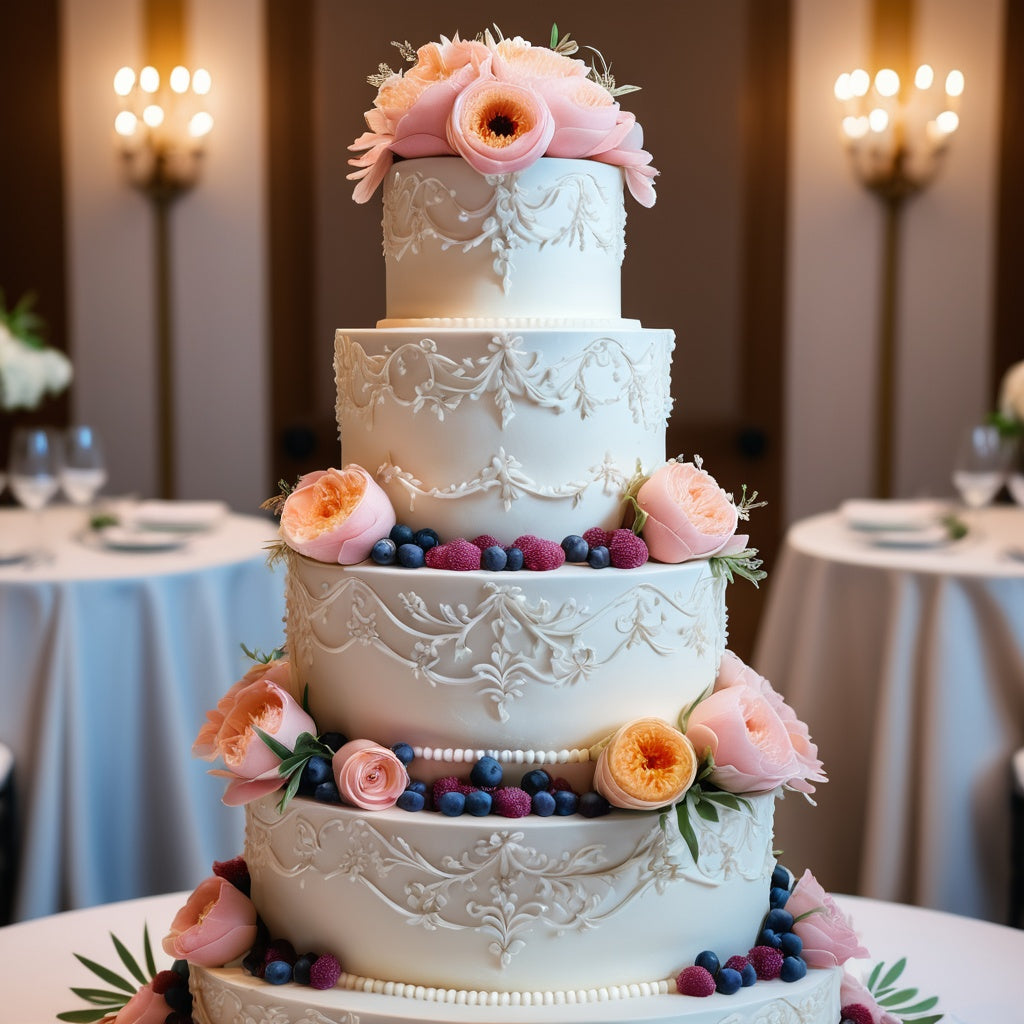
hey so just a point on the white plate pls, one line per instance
(870, 514)
(928, 537)
(183, 516)
(123, 538)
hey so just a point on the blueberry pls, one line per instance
(418, 786)
(534, 781)
(327, 793)
(404, 753)
(179, 998)
(478, 803)
(543, 803)
(334, 740)
(384, 551)
(728, 981)
(778, 897)
(708, 959)
(768, 938)
(599, 557)
(411, 800)
(779, 920)
(401, 534)
(300, 972)
(426, 538)
(791, 944)
(566, 802)
(793, 968)
(514, 559)
(452, 804)
(253, 963)
(593, 805)
(278, 972)
(575, 547)
(748, 972)
(410, 556)
(494, 558)
(486, 772)
(317, 769)
(781, 878)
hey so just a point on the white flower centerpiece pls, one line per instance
(1009, 414)
(29, 369)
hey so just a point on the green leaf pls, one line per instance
(898, 997)
(129, 961)
(554, 36)
(106, 974)
(686, 829)
(148, 951)
(893, 973)
(277, 747)
(730, 800)
(103, 996)
(81, 1016)
(706, 810)
(875, 973)
(924, 1004)
(932, 1019)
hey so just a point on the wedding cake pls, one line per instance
(505, 768)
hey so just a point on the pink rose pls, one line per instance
(750, 745)
(828, 937)
(634, 160)
(732, 672)
(647, 764)
(251, 766)
(498, 128)
(852, 992)
(585, 115)
(336, 515)
(216, 925)
(688, 514)
(369, 775)
(145, 1007)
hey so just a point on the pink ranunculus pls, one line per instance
(688, 514)
(368, 775)
(216, 925)
(733, 672)
(586, 117)
(336, 515)
(522, 63)
(827, 935)
(277, 671)
(145, 1007)
(853, 992)
(634, 160)
(748, 741)
(498, 128)
(441, 61)
(249, 764)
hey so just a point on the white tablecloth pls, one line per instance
(908, 666)
(972, 966)
(108, 662)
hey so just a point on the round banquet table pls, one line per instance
(109, 660)
(972, 966)
(908, 667)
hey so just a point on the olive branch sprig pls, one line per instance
(108, 1001)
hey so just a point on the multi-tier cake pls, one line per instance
(507, 769)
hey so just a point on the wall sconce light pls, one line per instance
(161, 127)
(896, 140)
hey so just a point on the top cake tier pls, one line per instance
(538, 247)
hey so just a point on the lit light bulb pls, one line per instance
(955, 83)
(947, 122)
(924, 77)
(860, 82)
(153, 115)
(179, 79)
(124, 81)
(201, 81)
(878, 120)
(125, 123)
(149, 79)
(887, 82)
(855, 127)
(201, 124)
(844, 87)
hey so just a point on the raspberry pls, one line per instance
(459, 555)
(512, 802)
(447, 784)
(325, 972)
(856, 1013)
(280, 949)
(597, 537)
(543, 555)
(628, 551)
(767, 961)
(559, 784)
(526, 543)
(166, 980)
(234, 871)
(736, 963)
(485, 541)
(695, 981)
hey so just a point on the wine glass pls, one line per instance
(982, 465)
(83, 472)
(33, 470)
(1015, 481)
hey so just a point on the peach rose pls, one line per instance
(647, 764)
(498, 127)
(369, 775)
(251, 766)
(216, 925)
(688, 514)
(336, 515)
(145, 1007)
(827, 935)
(750, 745)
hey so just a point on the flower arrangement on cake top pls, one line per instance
(500, 104)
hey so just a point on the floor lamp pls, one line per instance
(896, 139)
(161, 128)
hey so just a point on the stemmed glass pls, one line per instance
(982, 465)
(33, 470)
(83, 472)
